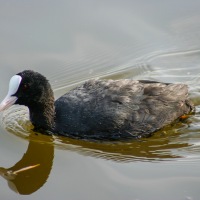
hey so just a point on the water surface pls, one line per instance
(72, 41)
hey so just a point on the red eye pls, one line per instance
(25, 87)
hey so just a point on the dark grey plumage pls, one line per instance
(114, 109)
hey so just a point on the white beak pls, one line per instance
(13, 87)
(7, 102)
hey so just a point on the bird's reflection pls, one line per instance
(150, 149)
(32, 171)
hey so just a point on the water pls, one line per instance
(72, 41)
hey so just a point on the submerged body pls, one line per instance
(102, 109)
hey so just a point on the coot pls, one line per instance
(99, 109)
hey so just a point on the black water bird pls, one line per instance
(99, 109)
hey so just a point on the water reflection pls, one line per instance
(32, 171)
(158, 148)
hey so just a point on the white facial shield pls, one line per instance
(9, 100)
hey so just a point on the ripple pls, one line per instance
(16, 121)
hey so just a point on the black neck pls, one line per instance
(43, 117)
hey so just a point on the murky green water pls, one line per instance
(72, 41)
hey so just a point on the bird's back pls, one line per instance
(113, 109)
